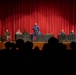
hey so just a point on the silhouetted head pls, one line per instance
(13, 46)
(20, 43)
(73, 45)
(29, 45)
(53, 40)
(7, 45)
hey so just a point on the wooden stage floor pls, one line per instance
(39, 44)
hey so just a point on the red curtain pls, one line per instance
(51, 15)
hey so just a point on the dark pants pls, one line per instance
(35, 34)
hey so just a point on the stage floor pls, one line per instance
(39, 44)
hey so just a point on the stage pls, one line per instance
(39, 44)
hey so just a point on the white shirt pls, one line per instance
(18, 33)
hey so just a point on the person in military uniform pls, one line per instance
(7, 35)
(25, 32)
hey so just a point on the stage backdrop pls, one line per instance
(51, 15)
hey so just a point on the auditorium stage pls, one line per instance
(39, 44)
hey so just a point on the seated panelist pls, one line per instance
(18, 32)
(7, 35)
(72, 32)
(25, 32)
(62, 32)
